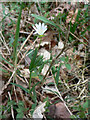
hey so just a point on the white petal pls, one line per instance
(45, 26)
(35, 28)
(42, 24)
(39, 24)
(44, 30)
(36, 25)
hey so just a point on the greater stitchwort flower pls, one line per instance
(40, 28)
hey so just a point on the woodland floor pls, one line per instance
(63, 91)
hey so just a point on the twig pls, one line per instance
(53, 63)
(24, 32)
(6, 67)
(26, 52)
(25, 42)
(5, 86)
(62, 99)
(4, 42)
(12, 72)
(81, 92)
(77, 38)
(72, 34)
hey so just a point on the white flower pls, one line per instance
(60, 45)
(40, 28)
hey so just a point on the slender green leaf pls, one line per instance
(5, 71)
(78, 15)
(1, 58)
(17, 85)
(32, 64)
(57, 75)
(17, 35)
(45, 20)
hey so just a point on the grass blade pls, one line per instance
(45, 20)
(1, 58)
(17, 35)
(17, 85)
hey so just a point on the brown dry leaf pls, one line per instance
(48, 41)
(48, 37)
(44, 70)
(59, 112)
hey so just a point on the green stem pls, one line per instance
(39, 45)
(30, 80)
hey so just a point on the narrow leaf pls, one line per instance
(17, 35)
(68, 66)
(17, 85)
(5, 71)
(1, 58)
(57, 75)
(32, 64)
(45, 20)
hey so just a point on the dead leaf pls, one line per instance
(44, 53)
(48, 40)
(38, 111)
(59, 112)
(25, 73)
(44, 70)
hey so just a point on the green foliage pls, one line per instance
(20, 110)
(2, 109)
(36, 62)
(26, 90)
(45, 20)
(1, 69)
(6, 61)
(66, 62)
(82, 111)
(68, 66)
(85, 105)
(19, 107)
(32, 64)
